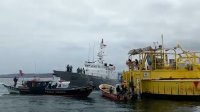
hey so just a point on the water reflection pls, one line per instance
(152, 105)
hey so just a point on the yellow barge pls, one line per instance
(169, 72)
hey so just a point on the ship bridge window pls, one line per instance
(87, 65)
(93, 66)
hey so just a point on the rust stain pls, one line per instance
(196, 84)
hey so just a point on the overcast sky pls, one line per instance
(43, 35)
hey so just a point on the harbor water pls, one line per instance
(94, 103)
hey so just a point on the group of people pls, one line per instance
(80, 70)
(133, 64)
(121, 90)
(124, 89)
(69, 68)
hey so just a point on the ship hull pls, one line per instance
(83, 79)
(171, 97)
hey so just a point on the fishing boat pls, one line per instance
(112, 93)
(40, 87)
(99, 72)
(164, 72)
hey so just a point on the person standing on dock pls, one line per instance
(15, 79)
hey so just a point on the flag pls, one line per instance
(102, 44)
(21, 73)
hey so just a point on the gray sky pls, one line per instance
(43, 35)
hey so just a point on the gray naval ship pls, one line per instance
(95, 72)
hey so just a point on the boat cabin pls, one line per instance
(33, 87)
(59, 84)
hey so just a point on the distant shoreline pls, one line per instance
(28, 75)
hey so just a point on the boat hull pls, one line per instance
(11, 89)
(172, 97)
(83, 79)
(36, 90)
(110, 96)
(73, 92)
(68, 92)
(176, 86)
(188, 87)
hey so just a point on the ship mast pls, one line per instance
(101, 52)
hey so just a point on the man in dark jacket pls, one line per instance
(15, 81)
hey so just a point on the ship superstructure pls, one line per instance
(99, 67)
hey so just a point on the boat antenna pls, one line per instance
(101, 52)
(22, 75)
(89, 53)
(93, 51)
(35, 67)
(163, 51)
(162, 43)
(155, 44)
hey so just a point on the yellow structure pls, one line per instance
(161, 71)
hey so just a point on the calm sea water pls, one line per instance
(94, 103)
